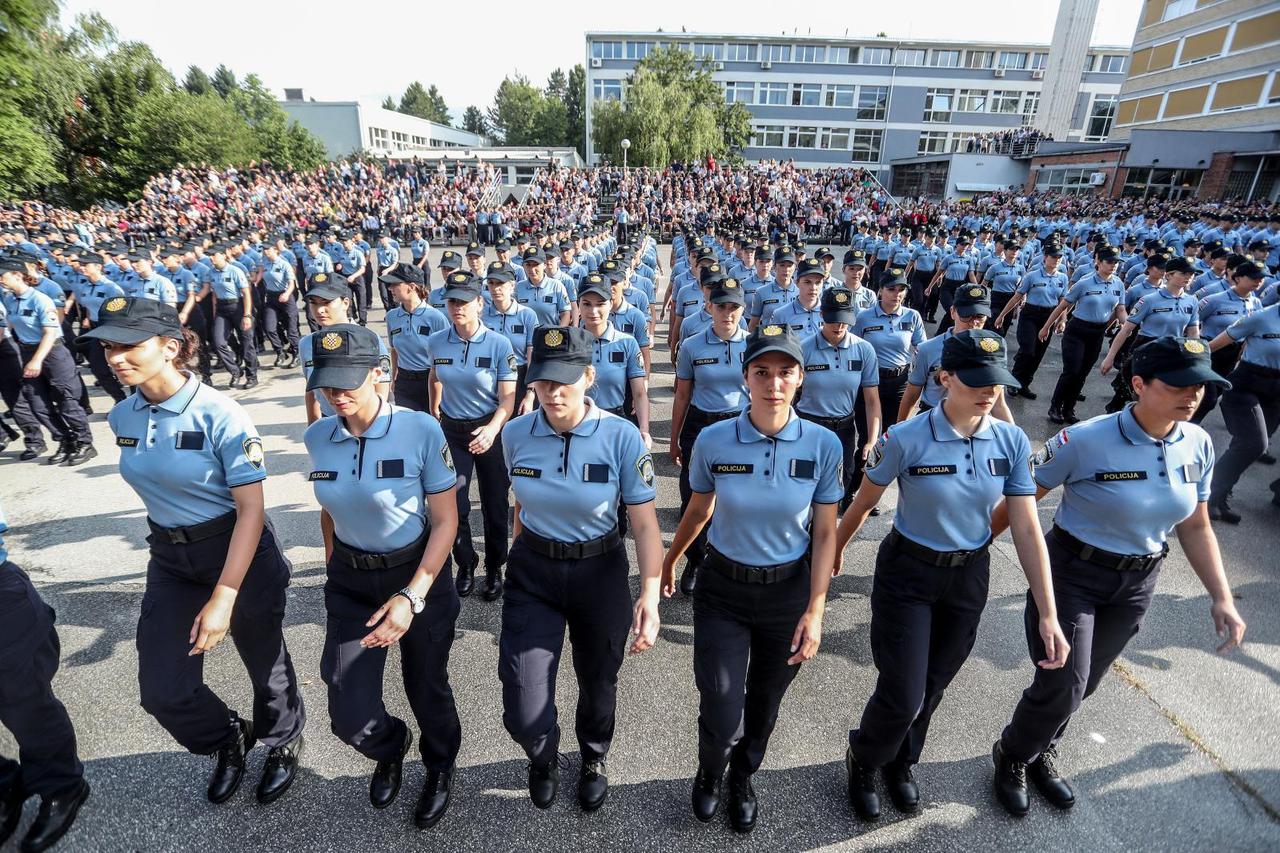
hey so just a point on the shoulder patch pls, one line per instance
(644, 467)
(253, 451)
(445, 457)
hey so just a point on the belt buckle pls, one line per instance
(178, 536)
(958, 558)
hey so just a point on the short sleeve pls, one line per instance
(757, 302)
(1019, 480)
(1206, 480)
(870, 366)
(830, 488)
(700, 479)
(885, 459)
(437, 466)
(1074, 293)
(1055, 462)
(684, 363)
(641, 332)
(918, 335)
(1139, 312)
(635, 367)
(919, 373)
(635, 465)
(504, 358)
(1242, 328)
(238, 445)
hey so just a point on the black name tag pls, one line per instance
(424, 330)
(442, 361)
(190, 440)
(517, 329)
(730, 468)
(617, 357)
(483, 363)
(1114, 476)
(595, 473)
(930, 470)
(808, 368)
(873, 329)
(698, 362)
(804, 469)
(1193, 472)
(322, 475)
(390, 468)
(521, 471)
(998, 467)
(125, 441)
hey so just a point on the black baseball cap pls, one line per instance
(612, 271)
(1177, 361)
(403, 274)
(450, 260)
(971, 300)
(1252, 269)
(131, 320)
(474, 248)
(1178, 265)
(597, 284)
(327, 287)
(809, 266)
(1158, 261)
(893, 277)
(762, 253)
(727, 291)
(838, 306)
(461, 286)
(342, 357)
(978, 358)
(9, 263)
(498, 271)
(825, 252)
(710, 273)
(1106, 254)
(855, 258)
(784, 255)
(533, 256)
(500, 246)
(560, 354)
(771, 337)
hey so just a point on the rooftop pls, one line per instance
(810, 38)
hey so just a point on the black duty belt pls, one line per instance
(554, 550)
(405, 373)
(366, 562)
(894, 371)
(195, 532)
(943, 559)
(742, 573)
(833, 424)
(1108, 559)
(222, 301)
(466, 424)
(1089, 325)
(704, 417)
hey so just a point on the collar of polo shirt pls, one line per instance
(177, 403)
(378, 429)
(748, 434)
(944, 431)
(1137, 436)
(589, 424)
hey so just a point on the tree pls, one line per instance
(29, 153)
(208, 131)
(197, 82)
(473, 120)
(439, 110)
(557, 86)
(389, 103)
(224, 81)
(515, 109)
(575, 105)
(424, 103)
(550, 123)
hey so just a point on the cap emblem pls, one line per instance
(116, 304)
(989, 344)
(772, 331)
(553, 338)
(896, 271)
(331, 341)
(842, 297)
(975, 291)
(1193, 347)
(321, 277)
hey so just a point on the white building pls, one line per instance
(346, 127)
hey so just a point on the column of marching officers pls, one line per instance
(531, 380)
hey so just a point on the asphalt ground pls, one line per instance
(1179, 748)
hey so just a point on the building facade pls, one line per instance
(840, 101)
(1203, 65)
(347, 127)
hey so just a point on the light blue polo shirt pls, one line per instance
(228, 282)
(30, 314)
(1260, 332)
(469, 371)
(834, 376)
(924, 365)
(548, 301)
(1161, 313)
(714, 366)
(1219, 311)
(771, 296)
(1094, 299)
(800, 320)
(892, 336)
(517, 323)
(408, 334)
(616, 357)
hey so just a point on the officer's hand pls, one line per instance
(395, 616)
(282, 298)
(247, 324)
(648, 440)
(481, 439)
(1056, 647)
(866, 450)
(807, 638)
(33, 368)
(212, 622)
(1062, 327)
(668, 577)
(1105, 367)
(674, 453)
(1044, 335)
(645, 625)
(182, 318)
(1227, 622)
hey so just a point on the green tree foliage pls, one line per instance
(197, 82)
(674, 111)
(557, 85)
(424, 103)
(473, 120)
(514, 114)
(212, 133)
(29, 156)
(224, 81)
(389, 103)
(575, 104)
(523, 114)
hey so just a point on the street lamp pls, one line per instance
(626, 143)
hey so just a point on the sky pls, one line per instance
(332, 53)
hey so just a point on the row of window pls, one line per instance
(865, 144)
(870, 101)
(380, 137)
(1155, 11)
(939, 104)
(1068, 181)
(1209, 44)
(1207, 98)
(1017, 60)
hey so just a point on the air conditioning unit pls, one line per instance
(1037, 74)
(766, 64)
(719, 66)
(999, 72)
(1097, 179)
(596, 62)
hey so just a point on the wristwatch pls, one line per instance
(416, 602)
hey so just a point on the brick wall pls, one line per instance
(1105, 162)
(1214, 181)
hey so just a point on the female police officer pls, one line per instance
(894, 331)
(614, 355)
(1129, 479)
(196, 462)
(409, 325)
(840, 372)
(952, 465)
(570, 462)
(473, 389)
(376, 469)
(773, 480)
(329, 301)
(709, 389)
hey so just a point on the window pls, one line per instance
(806, 95)
(1202, 46)
(811, 53)
(960, 142)
(875, 55)
(1012, 59)
(1178, 8)
(1069, 181)
(739, 93)
(866, 146)
(1233, 94)
(1111, 64)
(773, 93)
(706, 50)
(639, 49)
(740, 53)
(1100, 118)
(872, 103)
(834, 138)
(1256, 31)
(378, 138)
(839, 96)
(937, 104)
(776, 52)
(972, 101)
(932, 142)
(839, 55)
(1030, 106)
(1171, 184)
(1039, 60)
(606, 49)
(607, 90)
(768, 136)
(945, 59)
(1006, 101)
(980, 59)
(910, 56)
(802, 137)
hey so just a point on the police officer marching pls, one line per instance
(894, 331)
(1038, 293)
(952, 465)
(384, 479)
(279, 306)
(197, 463)
(571, 464)
(329, 303)
(615, 357)
(773, 482)
(1129, 479)
(503, 314)
(409, 325)
(233, 313)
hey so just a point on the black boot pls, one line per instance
(385, 784)
(279, 771)
(80, 454)
(1010, 782)
(466, 580)
(1055, 416)
(689, 579)
(11, 799)
(492, 584)
(544, 783)
(1222, 511)
(593, 785)
(1044, 775)
(65, 448)
(743, 808)
(434, 801)
(32, 453)
(706, 794)
(57, 813)
(229, 771)
(862, 787)
(901, 784)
